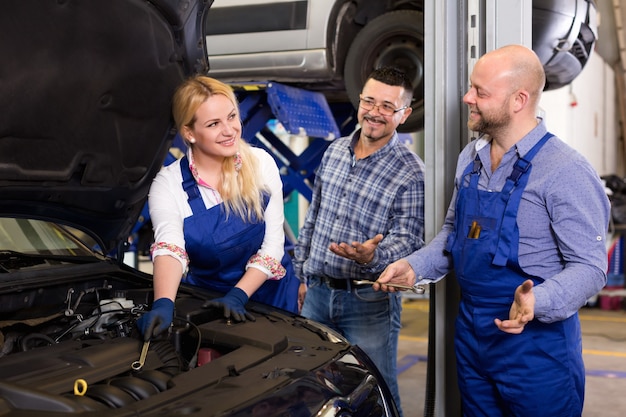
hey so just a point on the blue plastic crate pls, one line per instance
(299, 109)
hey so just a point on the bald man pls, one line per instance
(525, 236)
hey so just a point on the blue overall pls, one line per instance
(536, 373)
(219, 249)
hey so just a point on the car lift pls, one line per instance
(301, 112)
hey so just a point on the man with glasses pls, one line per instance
(367, 211)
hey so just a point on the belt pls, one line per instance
(340, 284)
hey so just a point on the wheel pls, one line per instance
(395, 38)
(564, 35)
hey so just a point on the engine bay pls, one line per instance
(70, 347)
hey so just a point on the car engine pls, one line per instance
(68, 347)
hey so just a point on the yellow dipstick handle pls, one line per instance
(80, 387)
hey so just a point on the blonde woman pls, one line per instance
(217, 213)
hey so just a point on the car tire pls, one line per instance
(395, 38)
(564, 35)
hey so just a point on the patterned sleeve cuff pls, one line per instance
(277, 271)
(174, 250)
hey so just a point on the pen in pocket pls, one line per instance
(474, 232)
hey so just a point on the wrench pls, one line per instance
(417, 289)
(137, 365)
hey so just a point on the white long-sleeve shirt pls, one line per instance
(168, 206)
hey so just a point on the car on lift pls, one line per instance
(325, 45)
(332, 45)
(86, 127)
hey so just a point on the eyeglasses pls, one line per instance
(385, 109)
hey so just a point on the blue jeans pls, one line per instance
(367, 318)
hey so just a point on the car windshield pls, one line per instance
(36, 237)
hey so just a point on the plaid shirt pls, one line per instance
(354, 200)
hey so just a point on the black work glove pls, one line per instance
(157, 320)
(233, 304)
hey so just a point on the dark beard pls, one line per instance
(491, 123)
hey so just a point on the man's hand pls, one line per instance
(301, 296)
(362, 253)
(399, 272)
(522, 310)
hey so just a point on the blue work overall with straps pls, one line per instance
(219, 247)
(530, 374)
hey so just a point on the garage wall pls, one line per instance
(584, 114)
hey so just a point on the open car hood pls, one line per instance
(86, 117)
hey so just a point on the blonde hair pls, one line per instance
(241, 190)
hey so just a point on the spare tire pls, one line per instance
(396, 39)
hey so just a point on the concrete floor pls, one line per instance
(604, 352)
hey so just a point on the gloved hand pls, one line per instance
(157, 320)
(233, 304)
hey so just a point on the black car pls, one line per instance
(84, 127)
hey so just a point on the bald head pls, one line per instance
(519, 66)
(503, 98)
